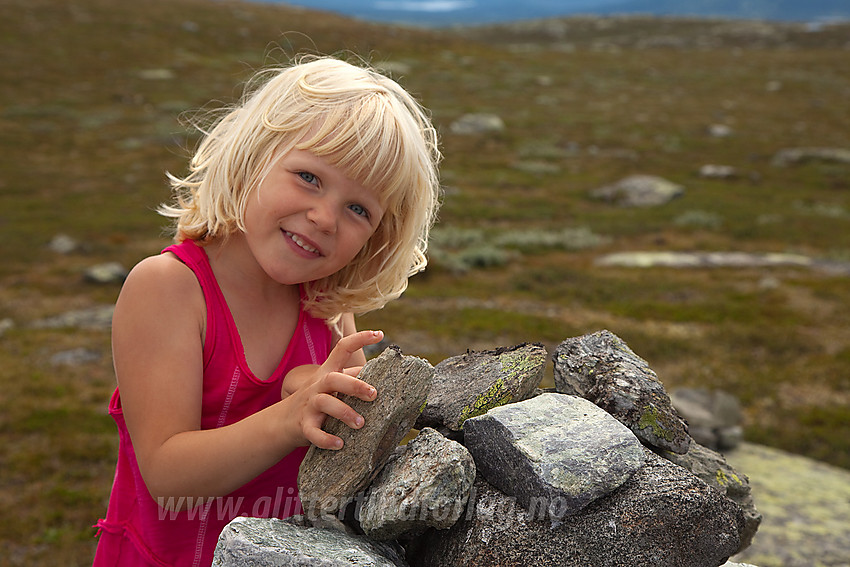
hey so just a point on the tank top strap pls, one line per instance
(194, 256)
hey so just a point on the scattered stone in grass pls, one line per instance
(108, 273)
(711, 171)
(794, 156)
(75, 357)
(714, 417)
(639, 191)
(156, 74)
(719, 131)
(481, 123)
(99, 317)
(63, 244)
(6, 324)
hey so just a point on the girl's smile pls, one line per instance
(300, 243)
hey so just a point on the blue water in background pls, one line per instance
(473, 12)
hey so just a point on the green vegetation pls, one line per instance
(91, 100)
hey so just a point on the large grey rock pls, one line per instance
(806, 506)
(602, 368)
(711, 467)
(639, 191)
(470, 384)
(270, 542)
(425, 484)
(555, 453)
(662, 516)
(328, 480)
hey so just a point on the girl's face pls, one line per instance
(307, 220)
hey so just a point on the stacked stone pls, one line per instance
(600, 471)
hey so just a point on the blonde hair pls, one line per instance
(357, 119)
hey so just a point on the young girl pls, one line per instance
(308, 202)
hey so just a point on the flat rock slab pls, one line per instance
(662, 516)
(270, 542)
(789, 156)
(426, 483)
(470, 384)
(806, 506)
(328, 480)
(603, 369)
(667, 259)
(556, 453)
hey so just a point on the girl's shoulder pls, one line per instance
(165, 283)
(162, 271)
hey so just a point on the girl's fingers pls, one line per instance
(334, 407)
(323, 440)
(352, 370)
(346, 384)
(348, 345)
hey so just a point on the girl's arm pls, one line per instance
(158, 354)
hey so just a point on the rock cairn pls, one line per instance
(599, 471)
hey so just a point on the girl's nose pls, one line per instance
(323, 216)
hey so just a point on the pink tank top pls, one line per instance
(137, 530)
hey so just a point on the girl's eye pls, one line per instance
(308, 177)
(359, 210)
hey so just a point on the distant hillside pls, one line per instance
(815, 10)
(471, 12)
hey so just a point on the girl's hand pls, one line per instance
(315, 388)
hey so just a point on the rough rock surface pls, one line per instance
(425, 483)
(470, 384)
(603, 369)
(711, 467)
(639, 191)
(555, 453)
(269, 542)
(328, 480)
(663, 515)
